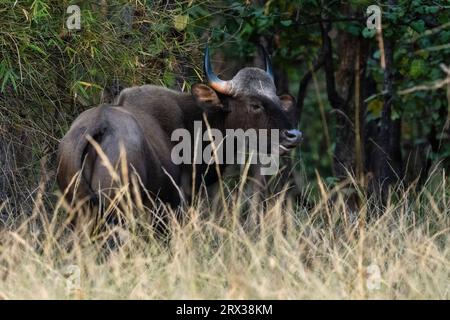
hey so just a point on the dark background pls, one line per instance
(380, 126)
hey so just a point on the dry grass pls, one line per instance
(284, 251)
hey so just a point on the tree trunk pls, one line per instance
(389, 151)
(352, 52)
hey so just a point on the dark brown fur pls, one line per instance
(143, 120)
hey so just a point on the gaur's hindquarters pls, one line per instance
(109, 148)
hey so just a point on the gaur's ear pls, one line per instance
(287, 102)
(206, 97)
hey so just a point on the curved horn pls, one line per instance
(268, 63)
(214, 82)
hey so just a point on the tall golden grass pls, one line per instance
(279, 250)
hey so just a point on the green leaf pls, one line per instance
(353, 29)
(395, 115)
(431, 9)
(445, 36)
(37, 49)
(375, 107)
(286, 23)
(368, 33)
(168, 78)
(417, 68)
(418, 26)
(377, 54)
(9, 76)
(180, 22)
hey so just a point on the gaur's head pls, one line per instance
(249, 100)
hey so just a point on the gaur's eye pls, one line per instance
(256, 107)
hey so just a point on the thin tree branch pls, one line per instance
(335, 100)
(303, 85)
(322, 20)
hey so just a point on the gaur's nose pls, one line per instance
(292, 136)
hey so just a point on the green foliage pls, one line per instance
(48, 74)
(36, 44)
(421, 33)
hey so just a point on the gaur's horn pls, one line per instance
(214, 82)
(268, 63)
